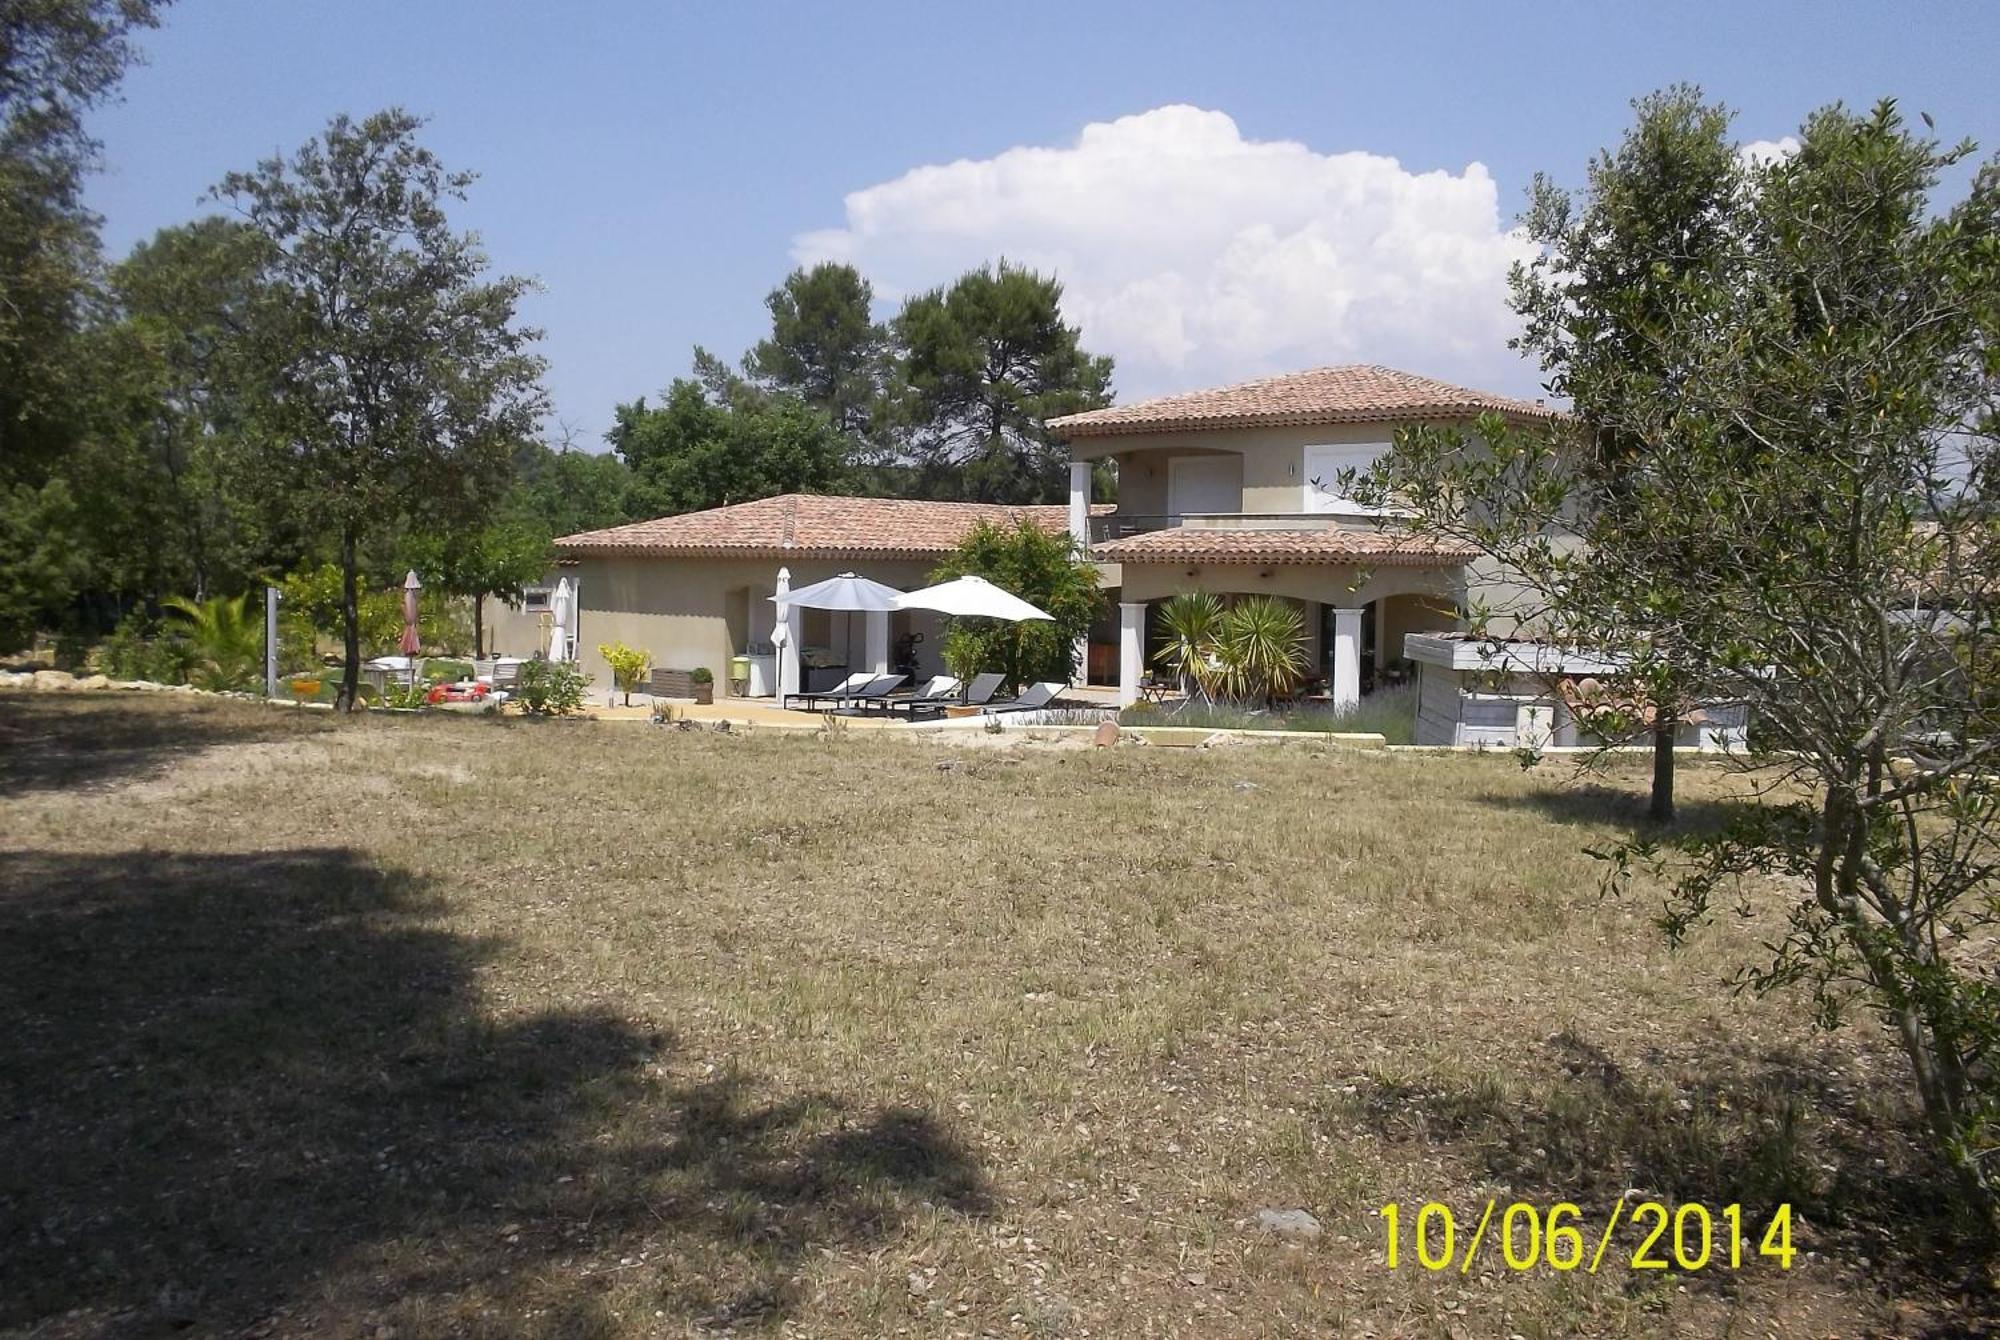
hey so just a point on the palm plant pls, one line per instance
(1261, 648)
(1192, 625)
(227, 638)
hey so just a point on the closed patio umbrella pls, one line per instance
(973, 598)
(559, 621)
(410, 641)
(411, 586)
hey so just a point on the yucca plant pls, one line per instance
(1261, 648)
(1192, 625)
(227, 639)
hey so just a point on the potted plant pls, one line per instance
(629, 666)
(702, 680)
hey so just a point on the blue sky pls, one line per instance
(1265, 187)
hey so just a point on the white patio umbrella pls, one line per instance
(559, 621)
(850, 593)
(973, 598)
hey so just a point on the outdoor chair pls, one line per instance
(983, 688)
(875, 690)
(937, 693)
(846, 688)
(1033, 699)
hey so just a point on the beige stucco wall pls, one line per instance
(1272, 469)
(691, 612)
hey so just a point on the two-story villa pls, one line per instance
(1237, 491)
(1233, 491)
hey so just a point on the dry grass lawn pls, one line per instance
(402, 1027)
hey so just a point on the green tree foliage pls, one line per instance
(310, 608)
(1661, 217)
(495, 560)
(43, 560)
(58, 59)
(179, 497)
(1041, 568)
(1809, 529)
(825, 348)
(690, 453)
(226, 634)
(389, 374)
(985, 363)
(563, 491)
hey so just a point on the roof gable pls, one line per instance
(1351, 393)
(813, 525)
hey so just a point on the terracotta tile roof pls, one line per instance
(1191, 544)
(809, 525)
(1353, 393)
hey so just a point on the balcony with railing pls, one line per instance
(1119, 525)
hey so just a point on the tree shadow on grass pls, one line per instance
(266, 1090)
(49, 742)
(1597, 805)
(1725, 1126)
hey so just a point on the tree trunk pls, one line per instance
(1665, 721)
(350, 625)
(478, 631)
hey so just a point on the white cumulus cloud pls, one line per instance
(1763, 153)
(1196, 256)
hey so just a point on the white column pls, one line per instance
(271, 597)
(1346, 658)
(1131, 649)
(1079, 502)
(878, 641)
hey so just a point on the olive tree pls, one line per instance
(1810, 530)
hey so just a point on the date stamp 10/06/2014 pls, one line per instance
(1562, 1238)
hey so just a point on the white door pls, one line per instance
(1204, 484)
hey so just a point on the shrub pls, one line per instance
(447, 672)
(701, 674)
(227, 637)
(551, 688)
(629, 666)
(137, 649)
(405, 695)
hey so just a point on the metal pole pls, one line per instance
(271, 599)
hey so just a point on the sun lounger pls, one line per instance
(1032, 699)
(874, 691)
(936, 694)
(982, 688)
(846, 688)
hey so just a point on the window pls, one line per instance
(535, 598)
